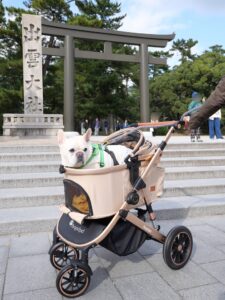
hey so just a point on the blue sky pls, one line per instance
(201, 20)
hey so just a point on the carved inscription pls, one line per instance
(32, 65)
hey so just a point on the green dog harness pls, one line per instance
(96, 149)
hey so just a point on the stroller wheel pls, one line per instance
(177, 247)
(72, 281)
(61, 254)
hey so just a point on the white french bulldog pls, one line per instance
(76, 152)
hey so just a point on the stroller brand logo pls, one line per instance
(76, 228)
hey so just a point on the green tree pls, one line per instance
(155, 70)
(171, 91)
(105, 11)
(184, 47)
(10, 61)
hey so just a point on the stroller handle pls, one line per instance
(174, 123)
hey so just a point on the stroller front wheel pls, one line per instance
(61, 254)
(72, 281)
(177, 248)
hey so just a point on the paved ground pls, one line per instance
(26, 273)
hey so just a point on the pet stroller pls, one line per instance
(109, 207)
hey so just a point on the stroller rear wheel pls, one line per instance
(72, 281)
(177, 247)
(61, 254)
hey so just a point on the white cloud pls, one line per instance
(208, 6)
(163, 16)
(148, 16)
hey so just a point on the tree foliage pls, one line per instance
(105, 11)
(184, 47)
(171, 91)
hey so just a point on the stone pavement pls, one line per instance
(26, 273)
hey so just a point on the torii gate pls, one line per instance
(69, 32)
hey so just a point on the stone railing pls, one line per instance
(31, 124)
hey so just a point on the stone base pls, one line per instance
(31, 124)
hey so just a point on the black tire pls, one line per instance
(61, 255)
(72, 281)
(177, 248)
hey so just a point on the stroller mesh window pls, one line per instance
(76, 198)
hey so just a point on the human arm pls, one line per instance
(215, 101)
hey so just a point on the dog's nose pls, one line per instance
(80, 155)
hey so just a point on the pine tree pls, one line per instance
(103, 10)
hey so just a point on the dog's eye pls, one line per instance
(72, 150)
(85, 149)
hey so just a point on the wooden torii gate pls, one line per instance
(69, 52)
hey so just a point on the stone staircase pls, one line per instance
(31, 187)
(194, 181)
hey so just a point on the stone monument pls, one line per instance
(33, 122)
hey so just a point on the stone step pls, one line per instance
(37, 219)
(41, 196)
(9, 163)
(35, 196)
(193, 161)
(45, 179)
(219, 144)
(201, 172)
(55, 148)
(29, 167)
(29, 148)
(176, 188)
(28, 219)
(189, 206)
(43, 156)
(194, 153)
(31, 187)
(30, 180)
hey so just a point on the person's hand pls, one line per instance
(186, 120)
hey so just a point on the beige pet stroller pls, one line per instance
(110, 207)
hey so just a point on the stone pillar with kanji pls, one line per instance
(32, 64)
(33, 122)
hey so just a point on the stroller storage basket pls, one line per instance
(125, 238)
(108, 188)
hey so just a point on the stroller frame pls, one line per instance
(71, 257)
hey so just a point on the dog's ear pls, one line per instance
(60, 136)
(87, 135)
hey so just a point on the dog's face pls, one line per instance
(75, 150)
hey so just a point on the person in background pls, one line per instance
(195, 103)
(97, 126)
(214, 125)
(215, 101)
(86, 124)
(106, 126)
(82, 127)
(125, 124)
(117, 125)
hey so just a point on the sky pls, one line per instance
(201, 20)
